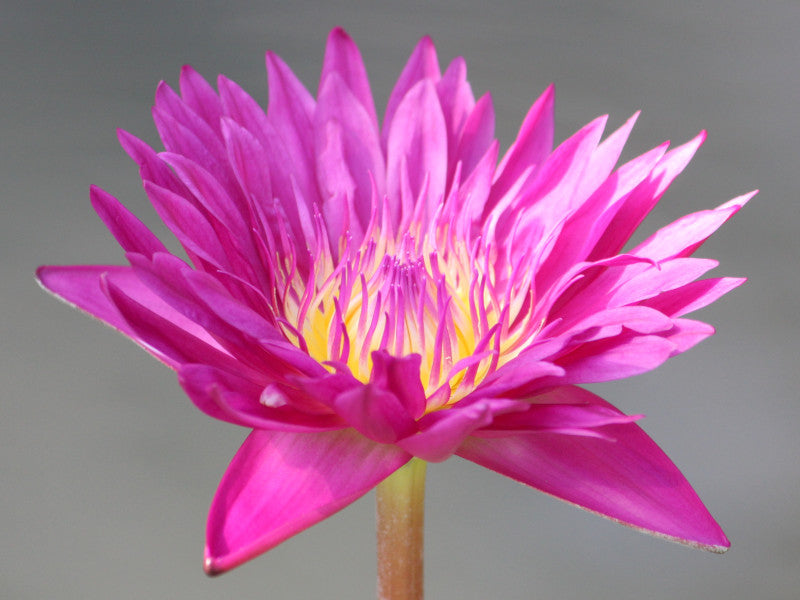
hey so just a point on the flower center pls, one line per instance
(426, 293)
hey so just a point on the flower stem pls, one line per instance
(401, 504)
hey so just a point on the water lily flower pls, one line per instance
(368, 296)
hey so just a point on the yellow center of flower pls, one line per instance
(424, 294)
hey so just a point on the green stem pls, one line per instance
(401, 509)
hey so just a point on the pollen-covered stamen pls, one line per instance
(424, 292)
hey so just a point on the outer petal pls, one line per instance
(531, 147)
(616, 358)
(79, 285)
(693, 296)
(126, 228)
(629, 480)
(82, 287)
(684, 236)
(642, 200)
(241, 400)
(279, 484)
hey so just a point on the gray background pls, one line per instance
(107, 470)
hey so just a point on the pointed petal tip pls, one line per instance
(339, 32)
(699, 139)
(211, 568)
(718, 546)
(214, 566)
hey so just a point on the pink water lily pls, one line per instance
(360, 295)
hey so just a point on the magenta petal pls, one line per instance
(629, 480)
(80, 286)
(566, 419)
(684, 236)
(401, 377)
(687, 333)
(642, 200)
(375, 412)
(128, 230)
(444, 431)
(151, 167)
(418, 139)
(291, 112)
(170, 336)
(422, 64)
(240, 400)
(279, 484)
(349, 156)
(343, 58)
(693, 296)
(531, 147)
(616, 358)
(477, 135)
(198, 94)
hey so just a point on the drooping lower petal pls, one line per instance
(279, 484)
(629, 480)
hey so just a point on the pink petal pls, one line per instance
(530, 148)
(455, 96)
(270, 153)
(549, 195)
(375, 412)
(213, 196)
(151, 167)
(79, 285)
(642, 200)
(445, 430)
(401, 376)
(128, 230)
(169, 336)
(692, 296)
(343, 58)
(247, 158)
(629, 480)
(651, 281)
(236, 399)
(291, 112)
(609, 322)
(566, 419)
(605, 158)
(518, 377)
(586, 225)
(200, 97)
(184, 132)
(418, 139)
(684, 236)
(189, 225)
(82, 287)
(279, 484)
(476, 136)
(422, 64)
(349, 156)
(616, 358)
(687, 333)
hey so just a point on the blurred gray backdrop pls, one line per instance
(107, 469)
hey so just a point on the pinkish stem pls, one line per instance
(401, 511)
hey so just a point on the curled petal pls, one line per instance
(444, 431)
